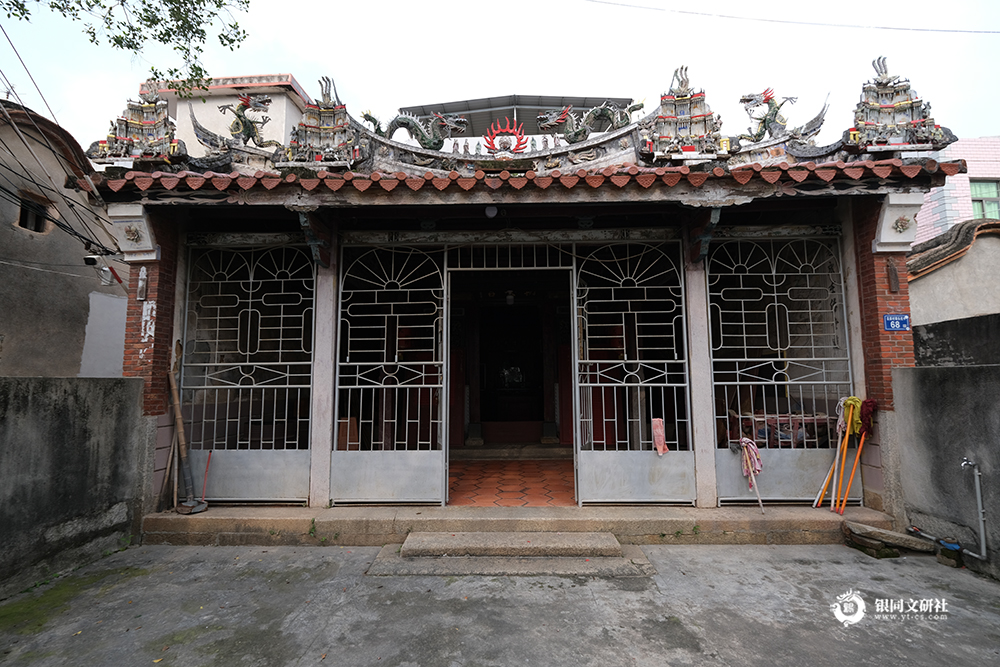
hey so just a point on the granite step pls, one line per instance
(511, 554)
(380, 525)
(511, 544)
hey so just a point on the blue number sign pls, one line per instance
(896, 322)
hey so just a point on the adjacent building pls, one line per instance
(62, 301)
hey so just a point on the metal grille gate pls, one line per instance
(247, 371)
(632, 370)
(780, 361)
(389, 444)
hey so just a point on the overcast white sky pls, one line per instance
(393, 53)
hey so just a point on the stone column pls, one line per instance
(700, 383)
(322, 426)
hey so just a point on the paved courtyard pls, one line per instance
(707, 605)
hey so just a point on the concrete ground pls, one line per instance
(300, 605)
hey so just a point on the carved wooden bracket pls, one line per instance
(317, 235)
(701, 236)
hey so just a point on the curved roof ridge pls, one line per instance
(941, 250)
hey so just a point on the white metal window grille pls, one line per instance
(247, 369)
(391, 374)
(511, 256)
(780, 358)
(632, 364)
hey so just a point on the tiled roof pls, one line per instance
(615, 176)
(944, 249)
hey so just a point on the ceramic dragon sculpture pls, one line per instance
(429, 136)
(246, 129)
(576, 129)
(771, 123)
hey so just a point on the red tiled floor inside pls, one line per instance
(543, 483)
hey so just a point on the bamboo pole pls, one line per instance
(835, 496)
(850, 481)
(826, 482)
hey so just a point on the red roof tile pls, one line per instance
(620, 176)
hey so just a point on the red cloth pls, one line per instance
(659, 439)
(868, 409)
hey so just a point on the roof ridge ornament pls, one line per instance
(685, 129)
(429, 136)
(511, 139)
(578, 128)
(883, 72)
(891, 117)
(683, 86)
(328, 102)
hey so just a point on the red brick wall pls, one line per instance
(148, 356)
(883, 350)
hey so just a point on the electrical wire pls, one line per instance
(791, 22)
(70, 203)
(35, 268)
(45, 136)
(16, 198)
(51, 113)
(31, 261)
(56, 192)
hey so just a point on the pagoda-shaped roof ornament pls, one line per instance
(143, 133)
(892, 118)
(324, 136)
(685, 129)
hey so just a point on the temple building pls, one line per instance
(628, 292)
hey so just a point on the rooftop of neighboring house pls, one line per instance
(966, 196)
(69, 149)
(949, 246)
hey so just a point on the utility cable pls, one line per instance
(28, 114)
(35, 268)
(14, 49)
(61, 224)
(31, 177)
(790, 22)
(56, 192)
(16, 199)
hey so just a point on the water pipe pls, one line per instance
(966, 463)
(949, 544)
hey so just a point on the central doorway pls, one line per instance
(511, 440)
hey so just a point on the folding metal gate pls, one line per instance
(632, 370)
(247, 371)
(389, 440)
(780, 361)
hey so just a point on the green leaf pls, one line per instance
(129, 25)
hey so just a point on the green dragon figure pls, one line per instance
(772, 123)
(576, 129)
(429, 136)
(246, 129)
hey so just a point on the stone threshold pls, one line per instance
(381, 525)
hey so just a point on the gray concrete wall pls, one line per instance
(970, 341)
(944, 414)
(73, 472)
(57, 319)
(964, 288)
